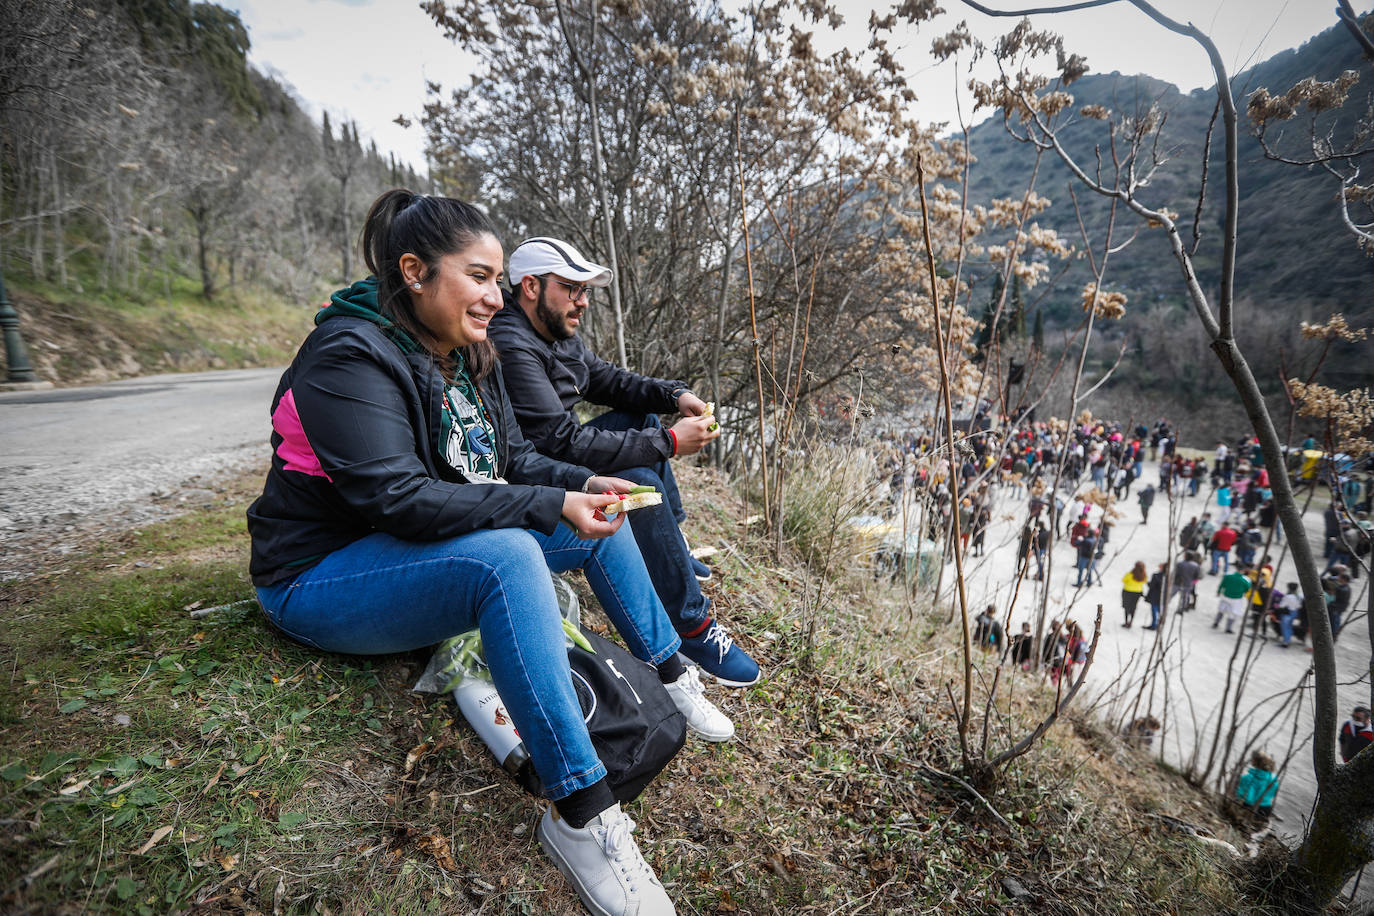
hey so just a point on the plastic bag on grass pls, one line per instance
(462, 654)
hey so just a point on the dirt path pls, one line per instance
(1189, 697)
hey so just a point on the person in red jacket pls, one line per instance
(1221, 545)
(1356, 734)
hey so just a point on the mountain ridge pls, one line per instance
(1295, 259)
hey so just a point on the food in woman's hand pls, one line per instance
(637, 498)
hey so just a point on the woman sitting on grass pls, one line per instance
(403, 507)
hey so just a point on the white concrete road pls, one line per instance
(121, 452)
(1196, 657)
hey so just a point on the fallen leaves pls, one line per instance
(214, 780)
(438, 848)
(412, 758)
(158, 836)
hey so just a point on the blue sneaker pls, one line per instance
(700, 569)
(716, 653)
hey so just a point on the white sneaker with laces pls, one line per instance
(702, 715)
(603, 863)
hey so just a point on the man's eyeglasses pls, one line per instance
(576, 291)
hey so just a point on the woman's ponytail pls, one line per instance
(377, 226)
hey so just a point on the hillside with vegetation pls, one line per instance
(166, 751)
(1295, 261)
(150, 179)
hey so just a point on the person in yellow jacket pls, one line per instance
(1259, 595)
(1132, 587)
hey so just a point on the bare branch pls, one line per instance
(1067, 8)
(1347, 16)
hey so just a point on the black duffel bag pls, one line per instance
(634, 725)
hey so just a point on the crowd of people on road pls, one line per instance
(1070, 483)
(1096, 464)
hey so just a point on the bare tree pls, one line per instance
(341, 157)
(1340, 837)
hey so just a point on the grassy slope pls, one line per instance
(75, 338)
(296, 781)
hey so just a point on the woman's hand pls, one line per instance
(582, 513)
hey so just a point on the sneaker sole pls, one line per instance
(725, 682)
(567, 872)
(713, 739)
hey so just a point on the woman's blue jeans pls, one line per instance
(382, 594)
(657, 532)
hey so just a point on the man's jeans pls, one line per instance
(656, 530)
(382, 594)
(1286, 619)
(1083, 564)
(1220, 558)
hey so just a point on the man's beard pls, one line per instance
(557, 324)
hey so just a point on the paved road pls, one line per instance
(1197, 656)
(74, 455)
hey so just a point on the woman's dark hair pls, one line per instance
(428, 227)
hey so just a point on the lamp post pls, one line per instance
(16, 357)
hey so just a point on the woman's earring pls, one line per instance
(415, 286)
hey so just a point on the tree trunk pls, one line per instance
(345, 249)
(1340, 838)
(608, 224)
(207, 279)
(599, 173)
(59, 229)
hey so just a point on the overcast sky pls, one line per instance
(368, 60)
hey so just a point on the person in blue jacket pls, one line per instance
(403, 506)
(1259, 786)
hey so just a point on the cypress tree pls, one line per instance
(1016, 320)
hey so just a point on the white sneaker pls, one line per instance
(602, 861)
(702, 715)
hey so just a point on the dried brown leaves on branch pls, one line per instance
(1103, 303)
(1349, 414)
(1311, 93)
(1335, 328)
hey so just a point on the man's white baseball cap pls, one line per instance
(538, 256)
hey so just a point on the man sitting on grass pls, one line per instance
(548, 371)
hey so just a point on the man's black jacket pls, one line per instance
(546, 380)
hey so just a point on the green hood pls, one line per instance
(360, 301)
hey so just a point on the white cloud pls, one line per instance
(362, 60)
